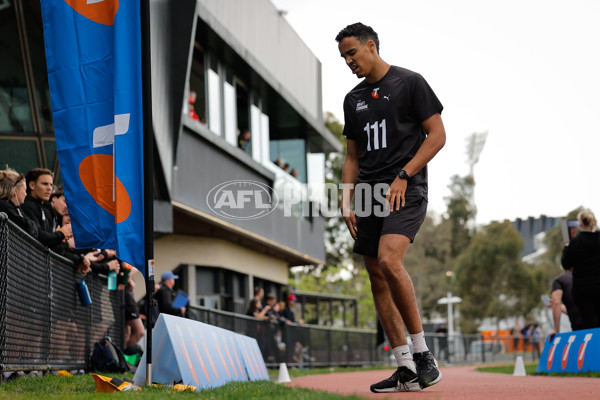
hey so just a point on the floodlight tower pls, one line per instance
(475, 143)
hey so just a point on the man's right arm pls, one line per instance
(349, 177)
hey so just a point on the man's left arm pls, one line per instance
(433, 143)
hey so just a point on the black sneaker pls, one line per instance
(402, 380)
(427, 369)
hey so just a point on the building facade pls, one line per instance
(219, 68)
(533, 231)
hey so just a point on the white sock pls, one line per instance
(404, 358)
(418, 342)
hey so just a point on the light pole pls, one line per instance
(449, 300)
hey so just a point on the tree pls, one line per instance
(338, 242)
(427, 261)
(343, 272)
(460, 212)
(492, 280)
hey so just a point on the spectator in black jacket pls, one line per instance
(288, 311)
(38, 208)
(583, 254)
(165, 294)
(12, 195)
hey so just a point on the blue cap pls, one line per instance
(168, 275)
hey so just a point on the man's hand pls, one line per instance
(66, 230)
(84, 267)
(114, 265)
(395, 194)
(93, 256)
(182, 311)
(350, 220)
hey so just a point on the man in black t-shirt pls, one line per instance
(393, 129)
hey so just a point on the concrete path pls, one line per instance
(461, 383)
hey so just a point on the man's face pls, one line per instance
(42, 188)
(59, 205)
(358, 56)
(170, 283)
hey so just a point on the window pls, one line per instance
(15, 112)
(35, 39)
(242, 105)
(230, 106)
(26, 127)
(292, 152)
(197, 95)
(214, 96)
(19, 154)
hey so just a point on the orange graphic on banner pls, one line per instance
(189, 362)
(223, 360)
(100, 11)
(250, 363)
(212, 364)
(96, 173)
(231, 361)
(237, 359)
(201, 361)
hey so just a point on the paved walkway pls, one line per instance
(461, 383)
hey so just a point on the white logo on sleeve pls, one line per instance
(361, 105)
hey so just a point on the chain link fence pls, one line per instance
(43, 325)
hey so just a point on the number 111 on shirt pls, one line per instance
(375, 127)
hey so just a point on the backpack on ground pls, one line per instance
(107, 357)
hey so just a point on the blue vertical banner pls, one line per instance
(93, 53)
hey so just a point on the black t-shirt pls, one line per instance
(385, 120)
(564, 282)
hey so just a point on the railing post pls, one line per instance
(329, 358)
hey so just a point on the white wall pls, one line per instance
(269, 44)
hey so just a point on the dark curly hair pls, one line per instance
(360, 31)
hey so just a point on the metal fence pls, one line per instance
(474, 348)
(42, 323)
(298, 345)
(317, 346)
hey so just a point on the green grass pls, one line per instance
(530, 369)
(297, 373)
(83, 387)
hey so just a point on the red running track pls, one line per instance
(463, 383)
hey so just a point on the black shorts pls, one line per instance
(131, 310)
(406, 221)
